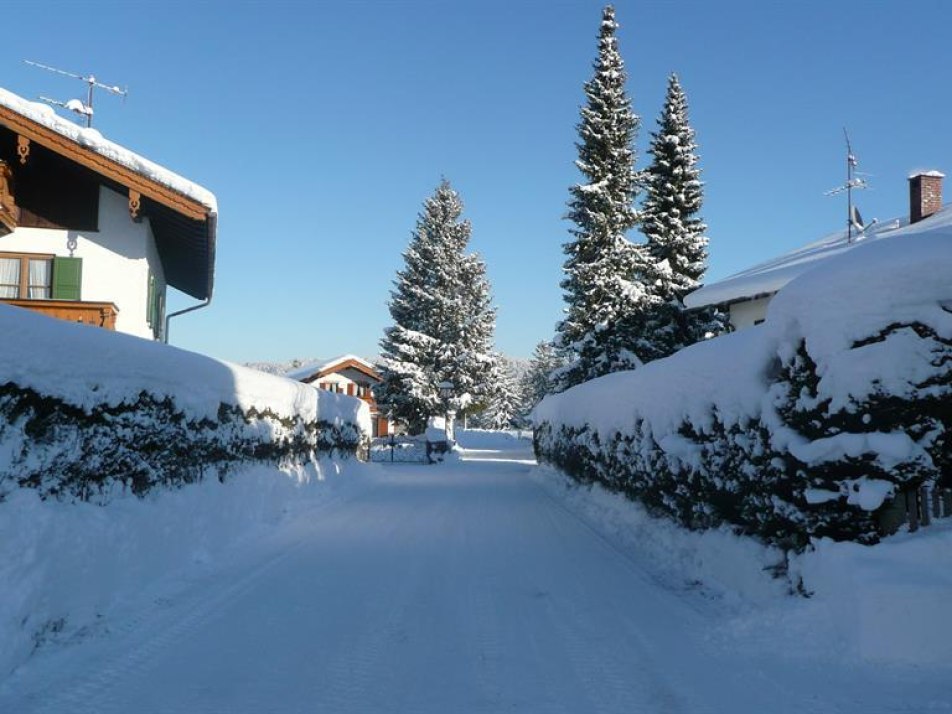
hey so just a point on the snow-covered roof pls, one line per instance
(768, 277)
(317, 367)
(183, 215)
(91, 139)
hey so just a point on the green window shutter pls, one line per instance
(67, 278)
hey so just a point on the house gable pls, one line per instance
(49, 157)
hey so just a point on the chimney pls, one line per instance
(925, 194)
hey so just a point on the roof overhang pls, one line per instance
(185, 228)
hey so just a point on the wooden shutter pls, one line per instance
(67, 278)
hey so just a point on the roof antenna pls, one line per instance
(77, 106)
(853, 219)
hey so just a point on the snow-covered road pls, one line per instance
(459, 588)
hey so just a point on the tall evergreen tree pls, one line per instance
(538, 379)
(504, 407)
(676, 241)
(603, 285)
(443, 319)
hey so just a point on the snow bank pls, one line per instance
(884, 605)
(728, 372)
(727, 566)
(63, 566)
(87, 366)
(490, 439)
(889, 603)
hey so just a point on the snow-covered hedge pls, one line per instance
(85, 412)
(806, 426)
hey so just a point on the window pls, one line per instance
(9, 277)
(40, 279)
(25, 276)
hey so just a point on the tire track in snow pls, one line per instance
(92, 696)
(154, 631)
(782, 698)
(353, 679)
(597, 650)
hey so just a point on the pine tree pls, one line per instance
(603, 285)
(538, 380)
(675, 236)
(504, 407)
(443, 319)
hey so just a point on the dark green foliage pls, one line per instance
(65, 451)
(443, 320)
(745, 476)
(603, 285)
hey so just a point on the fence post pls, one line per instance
(947, 502)
(924, 505)
(912, 510)
(936, 502)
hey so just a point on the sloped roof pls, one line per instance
(183, 215)
(319, 368)
(768, 277)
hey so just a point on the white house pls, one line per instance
(745, 295)
(90, 231)
(347, 374)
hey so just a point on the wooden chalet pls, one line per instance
(350, 375)
(91, 232)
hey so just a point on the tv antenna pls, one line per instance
(854, 180)
(77, 106)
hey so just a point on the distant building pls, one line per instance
(91, 232)
(745, 296)
(349, 375)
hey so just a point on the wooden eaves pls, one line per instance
(103, 165)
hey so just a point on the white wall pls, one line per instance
(749, 312)
(116, 259)
(337, 379)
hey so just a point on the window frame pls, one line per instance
(24, 287)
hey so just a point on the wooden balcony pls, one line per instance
(100, 314)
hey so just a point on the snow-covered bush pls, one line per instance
(85, 412)
(809, 425)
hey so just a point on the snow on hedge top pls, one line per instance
(87, 366)
(767, 278)
(91, 139)
(727, 371)
(846, 299)
(854, 297)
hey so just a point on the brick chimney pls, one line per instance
(925, 194)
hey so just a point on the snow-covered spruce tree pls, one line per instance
(504, 408)
(603, 285)
(443, 319)
(676, 244)
(538, 381)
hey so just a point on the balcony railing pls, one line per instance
(100, 314)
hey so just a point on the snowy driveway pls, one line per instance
(456, 588)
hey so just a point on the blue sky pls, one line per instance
(323, 126)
